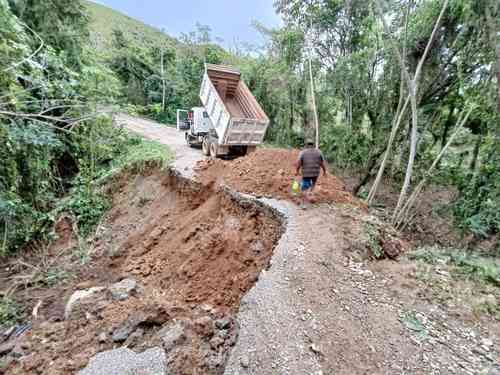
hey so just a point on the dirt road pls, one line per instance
(318, 309)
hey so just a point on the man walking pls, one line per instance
(310, 162)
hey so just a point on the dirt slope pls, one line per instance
(193, 253)
(269, 172)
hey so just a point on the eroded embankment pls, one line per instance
(183, 255)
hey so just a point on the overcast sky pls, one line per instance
(230, 20)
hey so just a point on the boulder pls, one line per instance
(172, 335)
(83, 300)
(122, 290)
(124, 361)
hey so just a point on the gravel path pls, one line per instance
(317, 311)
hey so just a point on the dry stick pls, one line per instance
(13, 66)
(412, 88)
(403, 214)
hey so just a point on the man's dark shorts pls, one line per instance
(308, 183)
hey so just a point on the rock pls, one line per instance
(124, 361)
(244, 361)
(17, 351)
(172, 335)
(223, 323)
(315, 349)
(216, 341)
(124, 330)
(81, 300)
(121, 290)
(7, 347)
(487, 342)
(204, 326)
(495, 370)
(215, 361)
(135, 337)
(103, 337)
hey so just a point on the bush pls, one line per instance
(477, 208)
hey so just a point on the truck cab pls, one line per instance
(196, 123)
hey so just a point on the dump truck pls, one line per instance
(231, 122)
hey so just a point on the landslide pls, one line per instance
(193, 251)
(270, 172)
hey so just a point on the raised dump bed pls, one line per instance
(238, 120)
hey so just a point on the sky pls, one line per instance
(230, 20)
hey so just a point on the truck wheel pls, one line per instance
(213, 150)
(188, 140)
(205, 147)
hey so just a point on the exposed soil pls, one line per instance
(269, 172)
(193, 252)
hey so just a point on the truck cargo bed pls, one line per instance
(237, 117)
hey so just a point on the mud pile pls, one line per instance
(269, 172)
(183, 255)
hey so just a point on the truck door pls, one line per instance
(183, 121)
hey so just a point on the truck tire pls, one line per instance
(251, 149)
(205, 147)
(213, 150)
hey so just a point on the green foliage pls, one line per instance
(464, 265)
(9, 311)
(374, 235)
(87, 206)
(477, 208)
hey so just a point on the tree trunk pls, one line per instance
(372, 163)
(315, 111)
(395, 126)
(494, 39)
(446, 129)
(475, 152)
(163, 83)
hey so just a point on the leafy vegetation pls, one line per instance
(55, 145)
(9, 311)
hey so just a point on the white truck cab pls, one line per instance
(196, 123)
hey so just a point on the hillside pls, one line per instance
(103, 20)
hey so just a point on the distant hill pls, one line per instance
(104, 20)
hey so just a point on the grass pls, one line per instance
(464, 265)
(104, 20)
(141, 155)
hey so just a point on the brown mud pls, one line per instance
(270, 172)
(193, 251)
